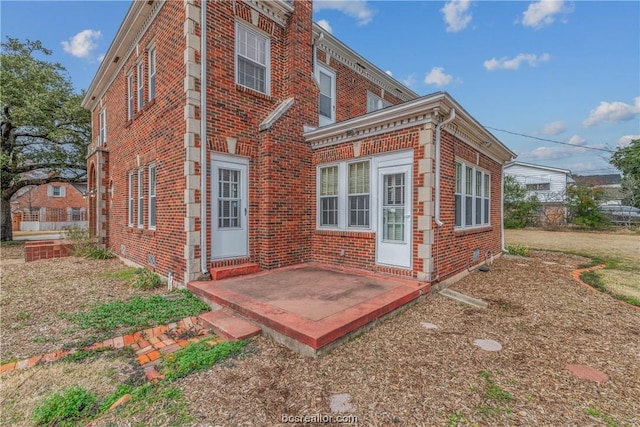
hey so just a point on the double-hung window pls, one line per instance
(152, 73)
(140, 198)
(252, 58)
(102, 135)
(329, 196)
(140, 94)
(374, 102)
(472, 195)
(152, 196)
(130, 203)
(344, 195)
(359, 197)
(130, 96)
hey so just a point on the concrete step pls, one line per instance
(219, 273)
(464, 298)
(228, 325)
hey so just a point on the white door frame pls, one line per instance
(390, 252)
(230, 241)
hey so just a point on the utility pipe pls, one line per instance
(203, 136)
(452, 115)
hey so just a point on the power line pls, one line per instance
(551, 140)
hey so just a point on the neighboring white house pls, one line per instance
(549, 184)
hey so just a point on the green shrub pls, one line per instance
(146, 279)
(583, 207)
(84, 245)
(99, 253)
(518, 208)
(516, 249)
(66, 408)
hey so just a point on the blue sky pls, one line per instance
(557, 70)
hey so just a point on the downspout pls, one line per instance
(452, 115)
(203, 136)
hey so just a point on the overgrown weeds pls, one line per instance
(198, 357)
(86, 246)
(146, 279)
(139, 313)
(518, 250)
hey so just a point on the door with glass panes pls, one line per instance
(394, 216)
(230, 197)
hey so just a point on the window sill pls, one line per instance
(150, 104)
(253, 92)
(467, 231)
(137, 114)
(359, 234)
(128, 123)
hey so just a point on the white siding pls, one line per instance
(557, 181)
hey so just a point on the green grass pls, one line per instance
(66, 408)
(595, 412)
(198, 357)
(139, 313)
(592, 278)
(123, 274)
(12, 243)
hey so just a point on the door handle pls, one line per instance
(245, 211)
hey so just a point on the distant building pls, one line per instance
(548, 184)
(610, 185)
(53, 206)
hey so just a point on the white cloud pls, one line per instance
(101, 57)
(358, 9)
(553, 128)
(542, 13)
(514, 63)
(323, 23)
(625, 140)
(410, 81)
(82, 44)
(577, 140)
(389, 73)
(456, 15)
(437, 77)
(612, 112)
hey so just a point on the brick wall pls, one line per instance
(154, 135)
(41, 197)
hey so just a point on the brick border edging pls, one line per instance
(577, 275)
(150, 345)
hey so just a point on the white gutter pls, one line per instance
(203, 136)
(504, 248)
(452, 115)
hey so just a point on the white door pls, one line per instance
(327, 101)
(230, 200)
(394, 216)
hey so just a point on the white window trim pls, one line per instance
(484, 222)
(140, 198)
(153, 194)
(331, 73)
(102, 120)
(130, 201)
(151, 55)
(343, 196)
(140, 85)
(130, 96)
(267, 65)
(380, 102)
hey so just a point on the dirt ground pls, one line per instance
(401, 373)
(624, 244)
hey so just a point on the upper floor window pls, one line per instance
(56, 191)
(130, 96)
(374, 102)
(152, 73)
(327, 102)
(140, 85)
(252, 59)
(102, 136)
(472, 196)
(540, 186)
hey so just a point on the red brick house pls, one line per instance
(53, 206)
(259, 138)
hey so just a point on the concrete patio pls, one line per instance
(311, 308)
